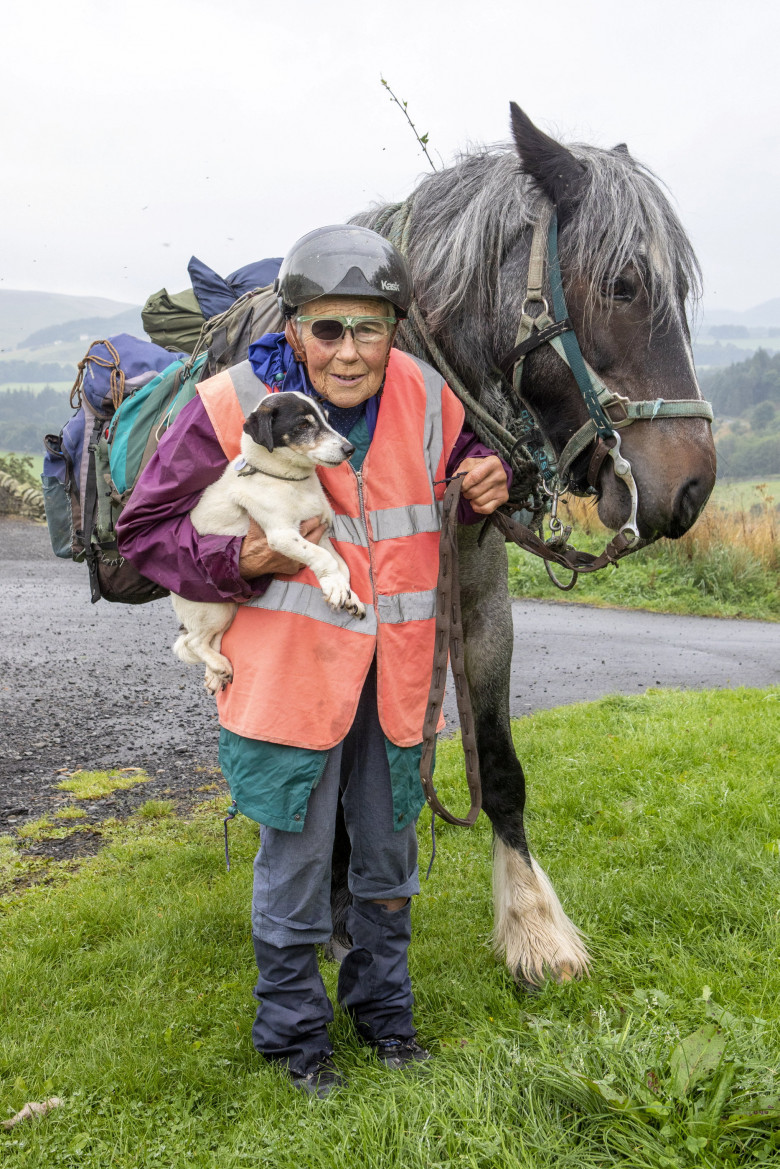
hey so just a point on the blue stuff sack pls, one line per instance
(111, 371)
(215, 293)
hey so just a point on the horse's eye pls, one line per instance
(618, 289)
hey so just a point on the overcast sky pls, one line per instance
(138, 133)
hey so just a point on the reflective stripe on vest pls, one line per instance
(229, 397)
(350, 529)
(402, 607)
(306, 600)
(391, 522)
(295, 596)
(250, 390)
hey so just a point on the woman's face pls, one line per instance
(342, 371)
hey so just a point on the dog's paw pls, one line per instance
(355, 606)
(335, 590)
(214, 682)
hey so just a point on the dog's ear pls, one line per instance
(259, 425)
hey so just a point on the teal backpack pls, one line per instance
(142, 420)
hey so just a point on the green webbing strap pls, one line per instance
(634, 412)
(568, 340)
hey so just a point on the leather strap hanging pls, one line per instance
(449, 636)
(618, 547)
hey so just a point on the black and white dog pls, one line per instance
(275, 483)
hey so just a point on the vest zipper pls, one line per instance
(359, 476)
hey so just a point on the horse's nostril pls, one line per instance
(689, 501)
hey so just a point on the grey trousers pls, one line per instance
(291, 906)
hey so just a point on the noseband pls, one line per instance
(608, 411)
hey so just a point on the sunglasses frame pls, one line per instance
(348, 323)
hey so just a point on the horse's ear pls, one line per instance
(547, 162)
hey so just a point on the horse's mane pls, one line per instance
(466, 219)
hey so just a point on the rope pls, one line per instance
(117, 380)
(416, 331)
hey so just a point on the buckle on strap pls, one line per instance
(538, 337)
(619, 402)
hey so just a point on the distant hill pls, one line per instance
(86, 329)
(762, 315)
(23, 313)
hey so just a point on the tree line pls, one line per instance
(745, 398)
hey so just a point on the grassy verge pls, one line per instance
(125, 990)
(728, 565)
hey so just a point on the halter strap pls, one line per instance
(558, 331)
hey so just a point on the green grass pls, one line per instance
(725, 580)
(126, 989)
(92, 785)
(741, 493)
(726, 566)
(69, 813)
(155, 809)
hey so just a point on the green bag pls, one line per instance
(173, 320)
(228, 335)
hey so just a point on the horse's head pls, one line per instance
(627, 269)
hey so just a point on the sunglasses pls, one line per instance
(365, 330)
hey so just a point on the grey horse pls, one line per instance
(628, 270)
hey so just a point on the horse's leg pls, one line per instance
(531, 930)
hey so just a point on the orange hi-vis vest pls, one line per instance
(298, 666)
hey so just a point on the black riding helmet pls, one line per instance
(343, 260)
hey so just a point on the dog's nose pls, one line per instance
(348, 449)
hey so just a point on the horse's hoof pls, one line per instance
(567, 972)
(335, 952)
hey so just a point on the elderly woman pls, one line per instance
(325, 709)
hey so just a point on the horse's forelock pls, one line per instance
(622, 218)
(469, 217)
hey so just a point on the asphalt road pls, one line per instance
(97, 685)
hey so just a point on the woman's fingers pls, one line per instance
(485, 483)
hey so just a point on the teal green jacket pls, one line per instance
(272, 783)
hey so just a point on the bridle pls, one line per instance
(609, 412)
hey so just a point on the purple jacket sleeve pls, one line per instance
(468, 446)
(155, 531)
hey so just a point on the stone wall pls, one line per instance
(18, 500)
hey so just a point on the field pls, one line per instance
(126, 986)
(728, 565)
(36, 387)
(36, 470)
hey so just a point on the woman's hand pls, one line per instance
(257, 559)
(485, 485)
